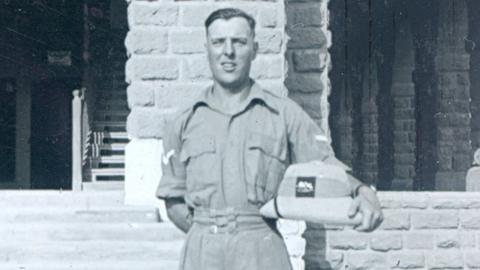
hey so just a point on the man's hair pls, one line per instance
(227, 14)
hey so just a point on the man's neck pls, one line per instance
(228, 99)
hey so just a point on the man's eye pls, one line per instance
(241, 41)
(217, 42)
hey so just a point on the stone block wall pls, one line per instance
(452, 64)
(308, 58)
(404, 123)
(370, 127)
(167, 64)
(471, 45)
(420, 231)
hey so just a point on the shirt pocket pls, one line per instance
(199, 156)
(266, 161)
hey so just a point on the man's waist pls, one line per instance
(230, 219)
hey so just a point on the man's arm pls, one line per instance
(308, 142)
(172, 186)
(365, 200)
(179, 213)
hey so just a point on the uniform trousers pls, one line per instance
(233, 239)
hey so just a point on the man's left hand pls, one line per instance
(366, 203)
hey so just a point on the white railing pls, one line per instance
(77, 140)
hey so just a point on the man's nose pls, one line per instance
(228, 48)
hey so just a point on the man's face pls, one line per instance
(231, 50)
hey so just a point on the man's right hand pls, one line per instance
(178, 213)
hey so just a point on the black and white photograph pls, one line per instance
(239, 134)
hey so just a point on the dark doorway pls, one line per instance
(7, 128)
(51, 134)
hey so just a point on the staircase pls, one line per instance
(85, 230)
(109, 136)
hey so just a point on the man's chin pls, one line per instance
(233, 83)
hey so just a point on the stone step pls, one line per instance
(24, 252)
(110, 124)
(103, 185)
(115, 134)
(108, 171)
(108, 152)
(106, 174)
(111, 113)
(151, 264)
(73, 214)
(112, 146)
(115, 140)
(110, 149)
(106, 127)
(111, 159)
(48, 198)
(61, 232)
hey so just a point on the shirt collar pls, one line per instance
(257, 93)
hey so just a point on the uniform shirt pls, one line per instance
(218, 160)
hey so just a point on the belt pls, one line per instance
(229, 220)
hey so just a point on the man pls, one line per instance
(226, 155)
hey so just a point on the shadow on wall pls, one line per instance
(315, 256)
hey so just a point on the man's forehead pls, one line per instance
(236, 26)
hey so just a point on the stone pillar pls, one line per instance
(23, 130)
(343, 122)
(167, 67)
(384, 23)
(340, 118)
(308, 83)
(452, 64)
(472, 44)
(370, 124)
(403, 92)
(423, 22)
(308, 57)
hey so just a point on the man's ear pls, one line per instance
(255, 49)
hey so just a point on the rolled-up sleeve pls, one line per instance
(173, 181)
(307, 141)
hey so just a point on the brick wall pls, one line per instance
(369, 109)
(472, 47)
(420, 231)
(403, 92)
(308, 57)
(452, 66)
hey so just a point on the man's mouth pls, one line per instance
(228, 66)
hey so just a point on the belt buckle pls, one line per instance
(224, 224)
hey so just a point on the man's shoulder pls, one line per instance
(281, 101)
(183, 111)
